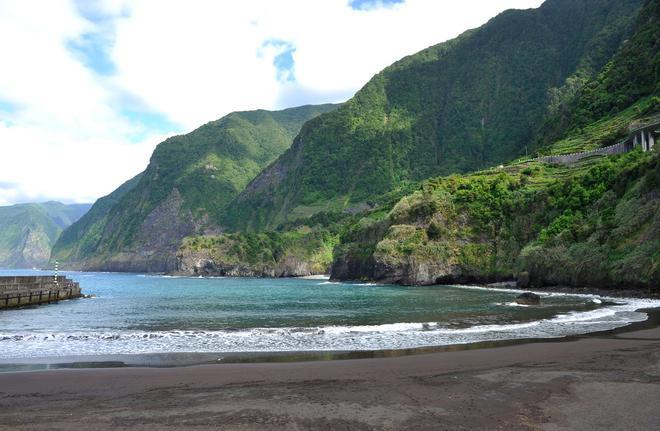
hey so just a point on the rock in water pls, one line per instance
(528, 298)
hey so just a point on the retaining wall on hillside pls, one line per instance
(643, 137)
(567, 159)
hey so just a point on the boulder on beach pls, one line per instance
(528, 298)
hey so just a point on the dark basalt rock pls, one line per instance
(528, 298)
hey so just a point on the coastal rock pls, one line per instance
(528, 298)
(202, 263)
(523, 279)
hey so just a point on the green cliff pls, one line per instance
(187, 184)
(459, 106)
(594, 223)
(80, 240)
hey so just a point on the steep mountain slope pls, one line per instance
(81, 238)
(28, 231)
(594, 223)
(189, 181)
(458, 106)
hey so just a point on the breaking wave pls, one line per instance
(402, 335)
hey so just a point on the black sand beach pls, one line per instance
(603, 381)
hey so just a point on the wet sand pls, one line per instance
(607, 381)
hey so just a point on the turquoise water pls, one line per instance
(137, 313)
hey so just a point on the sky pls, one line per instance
(88, 88)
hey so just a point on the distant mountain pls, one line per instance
(28, 231)
(184, 190)
(462, 105)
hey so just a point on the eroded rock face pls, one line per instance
(528, 298)
(410, 271)
(407, 271)
(157, 240)
(351, 268)
(167, 225)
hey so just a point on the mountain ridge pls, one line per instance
(189, 180)
(462, 105)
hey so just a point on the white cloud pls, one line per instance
(75, 134)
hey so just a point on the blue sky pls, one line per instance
(92, 86)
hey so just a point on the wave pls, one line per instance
(402, 335)
(511, 304)
(316, 277)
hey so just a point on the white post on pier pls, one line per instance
(56, 272)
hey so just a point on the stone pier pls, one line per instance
(19, 291)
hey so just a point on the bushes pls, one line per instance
(268, 248)
(586, 227)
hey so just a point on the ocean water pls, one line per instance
(138, 314)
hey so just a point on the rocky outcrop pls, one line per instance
(351, 267)
(483, 229)
(528, 298)
(202, 263)
(427, 272)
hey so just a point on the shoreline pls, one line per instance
(636, 293)
(191, 359)
(600, 381)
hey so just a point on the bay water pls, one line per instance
(141, 314)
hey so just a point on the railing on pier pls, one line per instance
(17, 291)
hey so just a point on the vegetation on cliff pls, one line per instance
(303, 251)
(378, 188)
(80, 239)
(594, 223)
(28, 231)
(458, 106)
(189, 180)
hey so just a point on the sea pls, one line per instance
(133, 314)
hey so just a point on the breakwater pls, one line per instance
(18, 291)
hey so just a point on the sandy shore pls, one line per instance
(607, 381)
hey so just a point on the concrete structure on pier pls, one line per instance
(19, 291)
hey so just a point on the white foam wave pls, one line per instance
(511, 304)
(540, 293)
(401, 335)
(316, 277)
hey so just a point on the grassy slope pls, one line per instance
(459, 106)
(28, 231)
